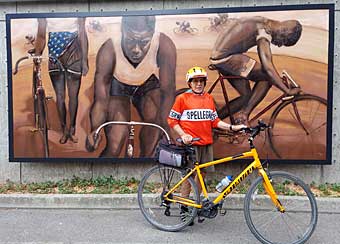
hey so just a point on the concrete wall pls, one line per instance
(35, 172)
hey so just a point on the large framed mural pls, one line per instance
(70, 73)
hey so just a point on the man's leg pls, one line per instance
(73, 85)
(150, 112)
(58, 82)
(260, 89)
(116, 135)
(242, 86)
(237, 65)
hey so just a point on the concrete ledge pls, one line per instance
(124, 201)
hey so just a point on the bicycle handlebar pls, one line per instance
(36, 57)
(254, 131)
(193, 140)
(290, 79)
(18, 62)
(131, 123)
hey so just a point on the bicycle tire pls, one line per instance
(164, 215)
(300, 204)
(43, 128)
(35, 99)
(307, 138)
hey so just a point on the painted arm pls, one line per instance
(167, 76)
(265, 55)
(40, 41)
(105, 64)
(84, 45)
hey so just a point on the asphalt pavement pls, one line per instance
(117, 219)
(129, 226)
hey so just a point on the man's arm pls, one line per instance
(40, 41)
(265, 55)
(105, 63)
(84, 45)
(166, 59)
(225, 126)
(186, 138)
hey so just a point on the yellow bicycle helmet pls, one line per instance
(196, 72)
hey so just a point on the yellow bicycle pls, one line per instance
(278, 206)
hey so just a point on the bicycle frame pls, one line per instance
(256, 164)
(287, 79)
(38, 89)
(39, 98)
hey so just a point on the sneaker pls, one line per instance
(184, 213)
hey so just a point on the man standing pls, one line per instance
(229, 59)
(193, 115)
(67, 42)
(136, 66)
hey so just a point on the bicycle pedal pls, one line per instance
(33, 130)
(200, 220)
(223, 212)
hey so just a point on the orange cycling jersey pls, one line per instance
(196, 114)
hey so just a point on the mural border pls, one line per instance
(329, 7)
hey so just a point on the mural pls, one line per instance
(70, 74)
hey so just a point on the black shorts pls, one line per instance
(134, 92)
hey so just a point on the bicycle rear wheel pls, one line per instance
(42, 119)
(268, 224)
(165, 215)
(298, 128)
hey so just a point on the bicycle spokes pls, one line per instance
(165, 213)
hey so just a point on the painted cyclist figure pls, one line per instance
(67, 42)
(184, 26)
(229, 58)
(135, 67)
(193, 115)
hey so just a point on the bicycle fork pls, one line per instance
(270, 190)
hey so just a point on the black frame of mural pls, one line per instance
(329, 7)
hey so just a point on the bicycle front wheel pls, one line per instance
(165, 215)
(268, 224)
(42, 119)
(298, 128)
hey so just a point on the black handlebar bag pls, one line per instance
(171, 154)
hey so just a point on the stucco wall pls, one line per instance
(34, 172)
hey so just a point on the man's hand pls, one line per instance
(238, 127)
(186, 138)
(294, 91)
(85, 69)
(92, 143)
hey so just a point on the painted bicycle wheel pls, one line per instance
(298, 128)
(42, 119)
